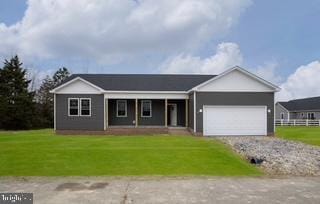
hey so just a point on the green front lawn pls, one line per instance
(41, 153)
(309, 135)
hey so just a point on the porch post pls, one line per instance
(107, 112)
(166, 112)
(136, 112)
(187, 113)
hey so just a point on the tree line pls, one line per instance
(20, 107)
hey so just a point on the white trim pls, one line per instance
(194, 112)
(168, 95)
(147, 92)
(73, 80)
(276, 88)
(82, 93)
(141, 109)
(126, 114)
(282, 115)
(69, 107)
(54, 112)
(243, 90)
(80, 99)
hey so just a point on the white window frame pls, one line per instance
(80, 104)
(282, 115)
(142, 102)
(126, 112)
(69, 99)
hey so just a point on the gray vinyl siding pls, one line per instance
(298, 115)
(235, 98)
(191, 101)
(93, 122)
(181, 111)
(279, 110)
(294, 115)
(158, 114)
(112, 114)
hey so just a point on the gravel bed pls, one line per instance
(277, 156)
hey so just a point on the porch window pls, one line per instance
(282, 115)
(311, 116)
(146, 108)
(73, 106)
(85, 107)
(121, 108)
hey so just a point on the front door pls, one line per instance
(172, 114)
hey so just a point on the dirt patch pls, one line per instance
(80, 186)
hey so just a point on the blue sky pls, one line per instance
(285, 31)
(272, 38)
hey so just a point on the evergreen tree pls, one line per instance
(45, 103)
(60, 75)
(16, 102)
(45, 98)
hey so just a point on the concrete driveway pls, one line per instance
(166, 190)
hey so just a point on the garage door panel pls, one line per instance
(234, 120)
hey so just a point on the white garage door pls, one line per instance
(234, 120)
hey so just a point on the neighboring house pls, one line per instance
(306, 108)
(235, 102)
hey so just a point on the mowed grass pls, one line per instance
(309, 135)
(42, 153)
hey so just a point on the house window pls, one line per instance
(73, 106)
(85, 107)
(311, 116)
(282, 115)
(121, 108)
(146, 108)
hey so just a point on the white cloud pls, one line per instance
(227, 55)
(304, 82)
(109, 30)
(268, 72)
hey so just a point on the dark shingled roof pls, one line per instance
(143, 82)
(302, 104)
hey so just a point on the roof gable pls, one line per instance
(77, 86)
(237, 80)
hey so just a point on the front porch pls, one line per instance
(145, 115)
